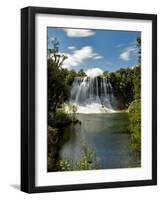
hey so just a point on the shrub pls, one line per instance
(86, 162)
(58, 119)
(135, 125)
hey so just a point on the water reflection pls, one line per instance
(106, 134)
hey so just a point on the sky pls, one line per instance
(107, 50)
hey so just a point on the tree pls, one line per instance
(122, 83)
(70, 77)
(138, 40)
(137, 82)
(81, 73)
(135, 125)
(54, 53)
(58, 90)
(106, 74)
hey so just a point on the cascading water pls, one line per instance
(92, 95)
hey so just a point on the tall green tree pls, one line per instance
(58, 90)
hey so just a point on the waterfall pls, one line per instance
(92, 95)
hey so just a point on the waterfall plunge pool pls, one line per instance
(107, 134)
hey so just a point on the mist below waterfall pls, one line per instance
(93, 95)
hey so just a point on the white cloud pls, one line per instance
(94, 72)
(97, 57)
(125, 55)
(79, 32)
(128, 52)
(71, 47)
(78, 56)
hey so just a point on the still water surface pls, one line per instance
(106, 134)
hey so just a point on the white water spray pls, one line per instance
(93, 93)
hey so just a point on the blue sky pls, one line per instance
(105, 49)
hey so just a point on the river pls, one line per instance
(107, 134)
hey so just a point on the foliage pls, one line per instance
(71, 74)
(138, 40)
(135, 125)
(52, 147)
(135, 106)
(106, 74)
(59, 85)
(126, 84)
(87, 161)
(124, 79)
(70, 77)
(58, 119)
(58, 90)
(72, 110)
(64, 165)
(51, 164)
(81, 73)
(137, 82)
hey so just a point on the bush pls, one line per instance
(135, 125)
(52, 148)
(87, 161)
(58, 119)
